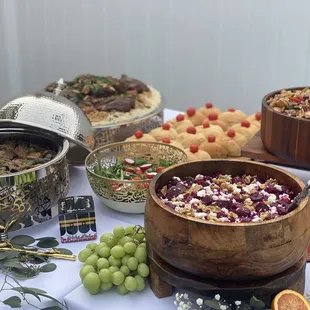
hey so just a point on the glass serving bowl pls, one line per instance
(127, 196)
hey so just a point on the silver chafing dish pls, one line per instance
(51, 120)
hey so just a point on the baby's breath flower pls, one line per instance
(199, 302)
(175, 303)
(185, 296)
(237, 302)
(217, 297)
(223, 307)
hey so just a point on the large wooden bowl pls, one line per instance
(285, 136)
(227, 251)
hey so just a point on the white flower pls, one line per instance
(223, 307)
(217, 297)
(199, 302)
(185, 296)
(237, 302)
(175, 303)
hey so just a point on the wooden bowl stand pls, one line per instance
(163, 278)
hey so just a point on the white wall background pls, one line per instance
(230, 52)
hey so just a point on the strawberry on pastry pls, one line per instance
(213, 119)
(246, 129)
(209, 130)
(181, 123)
(255, 119)
(193, 153)
(232, 142)
(208, 109)
(232, 116)
(231, 134)
(195, 116)
(165, 131)
(140, 136)
(190, 137)
(213, 148)
(173, 142)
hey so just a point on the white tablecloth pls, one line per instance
(64, 283)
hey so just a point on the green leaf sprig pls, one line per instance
(22, 257)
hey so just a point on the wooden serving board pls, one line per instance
(255, 150)
(164, 278)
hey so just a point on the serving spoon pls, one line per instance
(303, 194)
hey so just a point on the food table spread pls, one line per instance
(64, 283)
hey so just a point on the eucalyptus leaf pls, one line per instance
(12, 263)
(29, 290)
(8, 255)
(256, 303)
(13, 302)
(24, 273)
(50, 243)
(51, 298)
(37, 259)
(64, 251)
(22, 240)
(45, 239)
(48, 267)
(52, 308)
(213, 304)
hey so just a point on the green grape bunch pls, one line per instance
(119, 260)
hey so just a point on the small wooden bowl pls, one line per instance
(285, 136)
(234, 251)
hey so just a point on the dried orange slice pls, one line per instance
(290, 300)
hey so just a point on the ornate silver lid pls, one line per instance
(54, 113)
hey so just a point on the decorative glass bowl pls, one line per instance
(127, 196)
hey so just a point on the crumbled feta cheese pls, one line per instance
(177, 209)
(176, 178)
(208, 190)
(224, 219)
(180, 197)
(199, 177)
(258, 219)
(201, 193)
(273, 210)
(212, 214)
(200, 215)
(215, 197)
(194, 200)
(278, 187)
(225, 210)
(272, 198)
(284, 196)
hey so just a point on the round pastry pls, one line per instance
(190, 137)
(255, 119)
(209, 109)
(173, 142)
(181, 124)
(214, 120)
(232, 116)
(231, 134)
(165, 131)
(140, 136)
(209, 130)
(246, 129)
(195, 116)
(213, 148)
(193, 153)
(232, 142)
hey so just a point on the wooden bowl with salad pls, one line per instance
(120, 173)
(285, 124)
